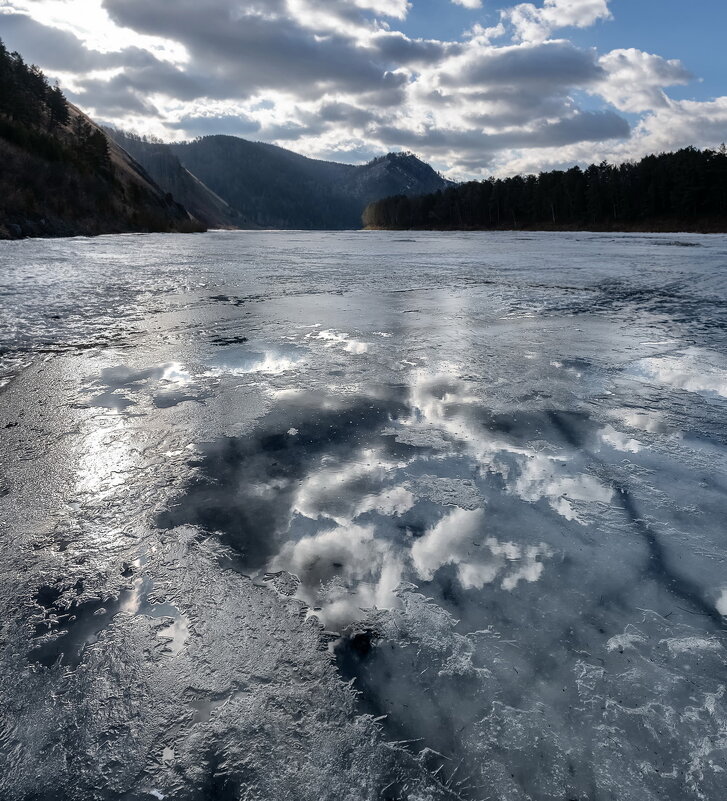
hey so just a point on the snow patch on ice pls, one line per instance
(685, 645)
(626, 640)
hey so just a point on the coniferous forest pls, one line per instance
(681, 191)
(34, 116)
(59, 175)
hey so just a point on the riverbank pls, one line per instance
(717, 226)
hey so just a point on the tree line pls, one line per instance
(35, 116)
(57, 176)
(686, 189)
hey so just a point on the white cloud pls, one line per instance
(342, 79)
(535, 24)
(397, 9)
(636, 80)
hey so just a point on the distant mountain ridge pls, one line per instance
(277, 188)
(229, 182)
(64, 175)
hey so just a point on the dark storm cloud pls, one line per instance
(508, 106)
(344, 112)
(142, 74)
(245, 126)
(160, 76)
(328, 116)
(391, 93)
(585, 126)
(129, 90)
(305, 123)
(289, 131)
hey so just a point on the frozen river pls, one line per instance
(360, 516)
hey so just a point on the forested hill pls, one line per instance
(682, 191)
(163, 165)
(275, 188)
(60, 175)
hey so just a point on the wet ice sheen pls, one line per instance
(352, 516)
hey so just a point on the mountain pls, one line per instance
(163, 165)
(276, 188)
(681, 191)
(61, 175)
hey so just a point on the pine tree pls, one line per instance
(58, 108)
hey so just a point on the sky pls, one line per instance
(474, 87)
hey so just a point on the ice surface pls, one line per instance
(351, 516)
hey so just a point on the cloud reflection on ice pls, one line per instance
(355, 494)
(343, 492)
(457, 539)
(343, 570)
(445, 403)
(331, 338)
(721, 604)
(253, 359)
(692, 369)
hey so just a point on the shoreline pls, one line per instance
(646, 228)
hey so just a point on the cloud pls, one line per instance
(57, 49)
(533, 24)
(343, 78)
(636, 80)
(393, 46)
(205, 124)
(683, 123)
(471, 4)
(112, 98)
(345, 112)
(342, 571)
(583, 126)
(545, 65)
(457, 540)
(388, 8)
(260, 45)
